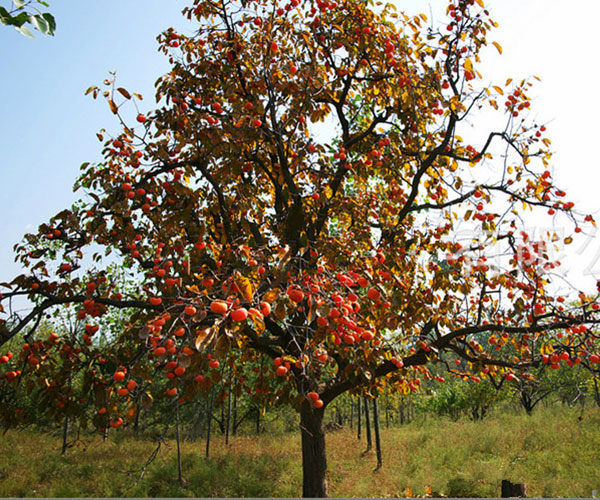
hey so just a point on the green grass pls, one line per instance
(552, 452)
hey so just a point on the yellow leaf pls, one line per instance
(498, 89)
(271, 295)
(468, 65)
(547, 349)
(246, 288)
(498, 46)
(480, 3)
(204, 337)
(259, 324)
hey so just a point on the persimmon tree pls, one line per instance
(300, 194)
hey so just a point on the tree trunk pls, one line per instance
(178, 435)
(209, 408)
(526, 403)
(136, 425)
(377, 437)
(368, 426)
(359, 420)
(65, 435)
(228, 421)
(387, 416)
(235, 415)
(314, 459)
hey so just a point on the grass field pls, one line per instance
(553, 452)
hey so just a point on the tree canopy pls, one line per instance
(309, 189)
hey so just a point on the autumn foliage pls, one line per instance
(302, 193)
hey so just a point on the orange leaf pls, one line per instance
(113, 106)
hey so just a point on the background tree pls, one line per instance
(336, 252)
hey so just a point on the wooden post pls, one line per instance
(511, 490)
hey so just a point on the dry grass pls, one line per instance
(553, 452)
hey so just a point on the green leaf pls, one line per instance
(19, 20)
(39, 23)
(19, 3)
(4, 16)
(49, 18)
(24, 30)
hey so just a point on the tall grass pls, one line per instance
(552, 451)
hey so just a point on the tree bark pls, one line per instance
(136, 425)
(314, 459)
(65, 435)
(368, 426)
(359, 420)
(377, 437)
(235, 415)
(228, 421)
(209, 408)
(178, 435)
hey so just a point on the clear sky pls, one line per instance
(47, 126)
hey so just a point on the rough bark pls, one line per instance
(314, 459)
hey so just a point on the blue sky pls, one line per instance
(47, 125)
